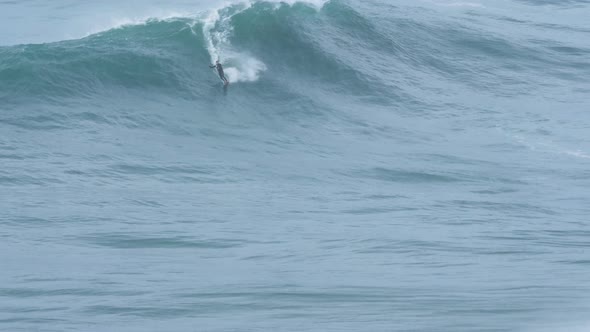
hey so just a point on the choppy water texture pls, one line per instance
(374, 166)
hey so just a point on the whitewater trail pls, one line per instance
(217, 29)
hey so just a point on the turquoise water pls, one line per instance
(373, 166)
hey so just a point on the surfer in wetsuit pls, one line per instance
(220, 72)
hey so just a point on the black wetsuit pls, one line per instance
(220, 72)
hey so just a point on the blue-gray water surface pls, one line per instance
(374, 165)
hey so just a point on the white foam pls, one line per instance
(244, 68)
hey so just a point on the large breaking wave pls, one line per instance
(171, 55)
(300, 48)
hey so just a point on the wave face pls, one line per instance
(371, 162)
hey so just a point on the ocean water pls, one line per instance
(378, 165)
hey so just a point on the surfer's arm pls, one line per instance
(212, 66)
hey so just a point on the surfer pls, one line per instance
(220, 72)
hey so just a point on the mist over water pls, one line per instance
(373, 166)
